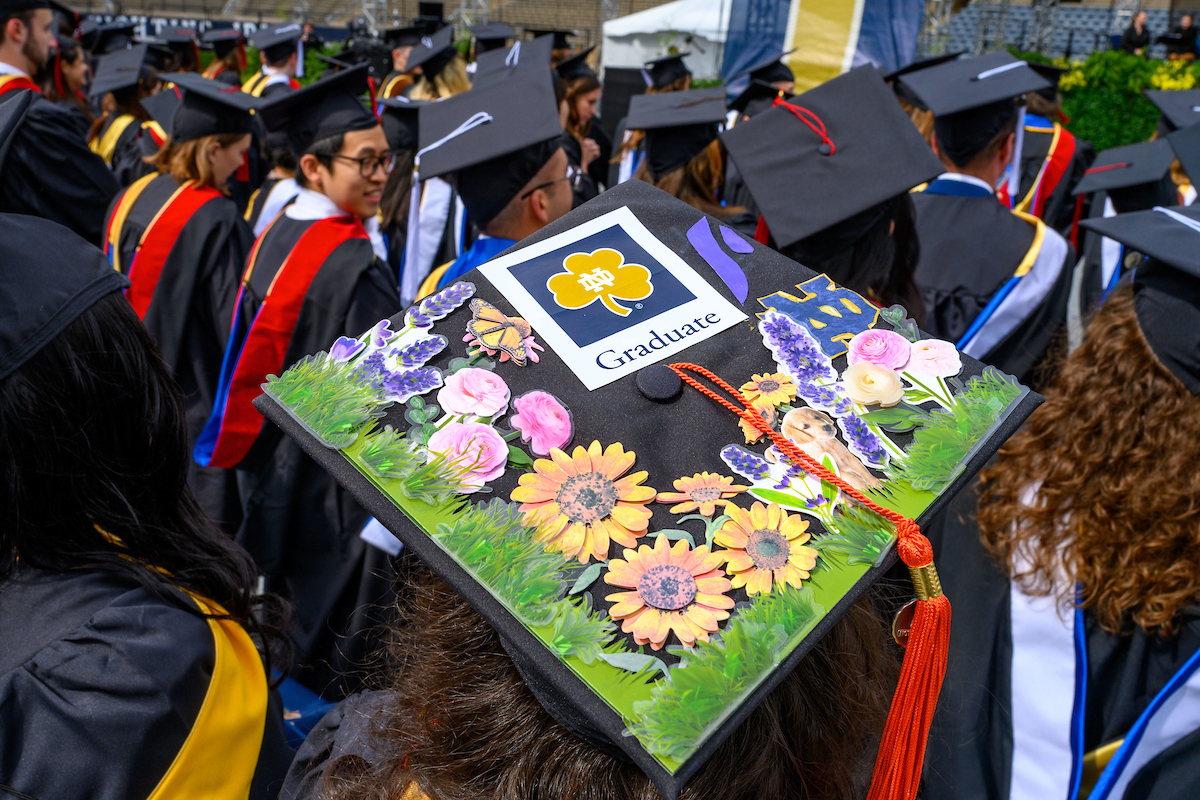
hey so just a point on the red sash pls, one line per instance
(1058, 160)
(265, 345)
(13, 83)
(157, 241)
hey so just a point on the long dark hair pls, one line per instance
(93, 469)
(393, 206)
(699, 183)
(874, 253)
(54, 84)
(129, 100)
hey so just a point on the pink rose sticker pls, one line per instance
(474, 391)
(473, 451)
(543, 421)
(934, 358)
(886, 349)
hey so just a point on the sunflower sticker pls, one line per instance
(600, 275)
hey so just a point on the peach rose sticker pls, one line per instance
(869, 384)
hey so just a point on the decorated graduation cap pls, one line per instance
(1136, 176)
(1166, 286)
(560, 37)
(277, 42)
(576, 67)
(209, 108)
(62, 276)
(662, 72)
(678, 125)
(400, 122)
(327, 107)
(521, 58)
(770, 70)
(113, 36)
(756, 98)
(492, 36)
(846, 144)
(434, 52)
(670, 546)
(120, 69)
(1180, 107)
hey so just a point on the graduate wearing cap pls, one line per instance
(318, 271)
(278, 189)
(66, 81)
(917, 111)
(562, 48)
(182, 242)
(280, 52)
(400, 120)
(666, 74)
(502, 147)
(402, 41)
(125, 615)
(752, 101)
(491, 36)
(582, 123)
(113, 36)
(772, 71)
(1071, 674)
(229, 55)
(184, 47)
(443, 69)
(49, 170)
(114, 136)
(994, 281)
(1053, 160)
(855, 156)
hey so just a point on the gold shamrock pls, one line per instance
(600, 275)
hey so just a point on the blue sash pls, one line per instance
(953, 188)
(483, 250)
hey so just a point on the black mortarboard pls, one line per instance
(560, 37)
(1052, 74)
(158, 54)
(400, 122)
(662, 72)
(113, 36)
(162, 105)
(520, 59)
(177, 36)
(770, 70)
(221, 40)
(89, 29)
(327, 107)
(118, 70)
(1166, 287)
(494, 159)
(343, 60)
(1186, 144)
(614, 280)
(971, 83)
(922, 63)
(60, 277)
(576, 67)
(210, 107)
(277, 41)
(12, 112)
(434, 52)
(756, 98)
(1180, 107)
(492, 36)
(1136, 176)
(803, 185)
(431, 12)
(678, 125)
(405, 37)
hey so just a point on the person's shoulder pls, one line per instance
(348, 729)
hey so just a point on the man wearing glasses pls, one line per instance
(318, 271)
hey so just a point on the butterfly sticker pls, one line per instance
(495, 332)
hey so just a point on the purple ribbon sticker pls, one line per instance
(702, 239)
(734, 241)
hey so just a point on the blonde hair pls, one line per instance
(185, 161)
(450, 81)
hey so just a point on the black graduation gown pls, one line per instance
(970, 248)
(127, 163)
(347, 729)
(190, 313)
(77, 114)
(586, 188)
(970, 743)
(300, 525)
(598, 169)
(49, 171)
(100, 684)
(257, 200)
(1059, 209)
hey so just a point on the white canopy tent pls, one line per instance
(697, 26)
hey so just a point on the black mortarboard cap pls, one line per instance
(1186, 144)
(210, 107)
(1166, 287)
(343, 60)
(678, 125)
(769, 70)
(405, 37)
(969, 83)
(576, 67)
(662, 72)
(1050, 72)
(158, 53)
(327, 107)
(118, 70)
(1180, 107)
(162, 105)
(60, 277)
(275, 41)
(495, 159)
(400, 122)
(221, 40)
(756, 98)
(801, 184)
(177, 36)
(1136, 176)
(560, 37)
(89, 29)
(520, 59)
(433, 52)
(922, 63)
(582, 671)
(434, 12)
(113, 36)
(12, 112)
(492, 36)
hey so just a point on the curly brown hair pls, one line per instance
(1112, 455)
(698, 183)
(465, 726)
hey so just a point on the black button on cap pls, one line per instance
(659, 383)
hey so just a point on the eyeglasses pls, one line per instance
(574, 174)
(368, 164)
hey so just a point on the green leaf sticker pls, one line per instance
(634, 662)
(586, 578)
(828, 490)
(519, 459)
(675, 534)
(782, 498)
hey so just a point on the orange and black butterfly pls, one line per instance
(494, 331)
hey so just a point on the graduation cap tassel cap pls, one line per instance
(810, 119)
(901, 755)
(514, 55)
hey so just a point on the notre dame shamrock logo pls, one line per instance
(600, 275)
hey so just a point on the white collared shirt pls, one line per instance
(964, 178)
(312, 205)
(9, 69)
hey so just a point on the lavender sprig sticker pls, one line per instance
(796, 351)
(417, 353)
(863, 441)
(749, 465)
(439, 305)
(398, 386)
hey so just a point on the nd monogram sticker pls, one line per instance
(600, 275)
